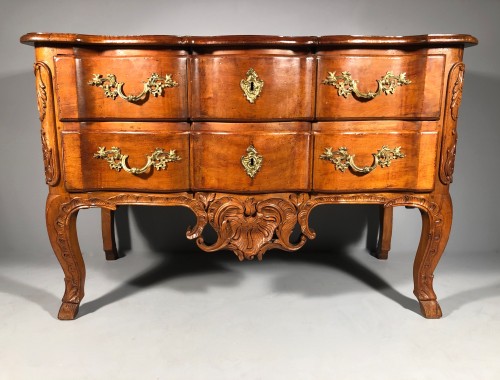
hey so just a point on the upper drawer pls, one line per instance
(121, 88)
(278, 87)
(381, 86)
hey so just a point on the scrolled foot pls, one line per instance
(430, 309)
(68, 311)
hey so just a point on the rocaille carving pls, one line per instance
(450, 138)
(423, 287)
(111, 202)
(260, 217)
(249, 227)
(44, 90)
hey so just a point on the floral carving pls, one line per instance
(431, 253)
(450, 137)
(41, 89)
(249, 227)
(110, 202)
(44, 91)
(427, 256)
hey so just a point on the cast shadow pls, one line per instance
(338, 227)
(454, 302)
(34, 294)
(164, 229)
(178, 257)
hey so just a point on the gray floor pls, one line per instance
(309, 315)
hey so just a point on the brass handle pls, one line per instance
(117, 161)
(112, 88)
(343, 160)
(346, 85)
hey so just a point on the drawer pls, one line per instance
(279, 87)
(251, 157)
(340, 77)
(374, 161)
(81, 96)
(105, 160)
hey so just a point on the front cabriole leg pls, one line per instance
(436, 214)
(61, 226)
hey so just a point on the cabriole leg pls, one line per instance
(108, 234)
(61, 226)
(385, 233)
(436, 226)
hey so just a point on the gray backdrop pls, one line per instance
(23, 191)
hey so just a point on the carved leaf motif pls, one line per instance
(250, 228)
(43, 80)
(48, 159)
(41, 91)
(456, 97)
(450, 136)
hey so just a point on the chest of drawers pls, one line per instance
(251, 133)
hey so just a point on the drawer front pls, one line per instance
(91, 161)
(349, 161)
(86, 92)
(278, 88)
(249, 161)
(362, 87)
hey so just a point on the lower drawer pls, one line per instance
(251, 157)
(139, 161)
(374, 161)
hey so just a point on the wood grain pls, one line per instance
(210, 124)
(77, 100)
(84, 172)
(421, 99)
(288, 92)
(216, 152)
(416, 171)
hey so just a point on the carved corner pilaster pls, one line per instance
(48, 131)
(450, 137)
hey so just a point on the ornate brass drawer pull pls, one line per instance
(252, 85)
(117, 161)
(154, 85)
(346, 85)
(252, 161)
(343, 160)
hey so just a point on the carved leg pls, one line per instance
(436, 226)
(108, 234)
(385, 232)
(61, 226)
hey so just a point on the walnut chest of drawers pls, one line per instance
(250, 133)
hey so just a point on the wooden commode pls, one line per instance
(250, 133)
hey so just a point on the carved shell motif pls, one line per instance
(249, 228)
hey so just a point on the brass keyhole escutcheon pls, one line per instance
(252, 161)
(252, 86)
